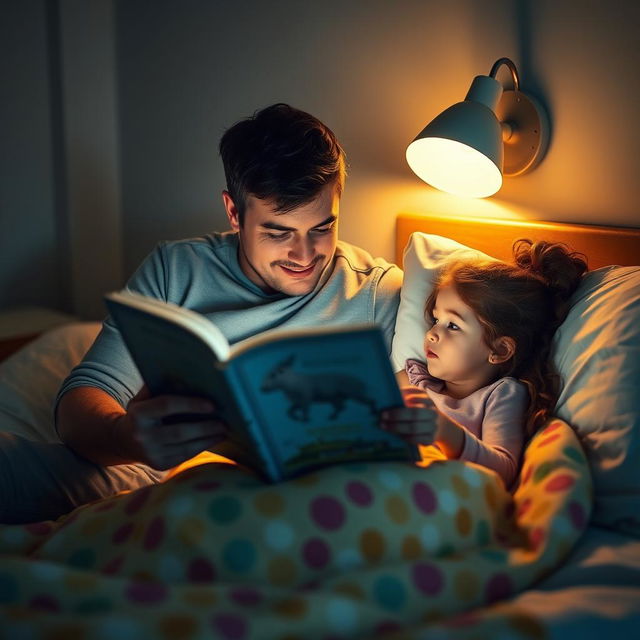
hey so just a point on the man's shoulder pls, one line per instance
(210, 241)
(358, 259)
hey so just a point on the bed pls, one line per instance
(388, 550)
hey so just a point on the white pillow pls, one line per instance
(424, 255)
(596, 352)
(31, 377)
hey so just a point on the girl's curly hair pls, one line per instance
(526, 300)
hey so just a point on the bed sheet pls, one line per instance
(594, 594)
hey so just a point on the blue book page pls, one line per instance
(316, 399)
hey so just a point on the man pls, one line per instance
(281, 265)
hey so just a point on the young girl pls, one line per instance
(488, 381)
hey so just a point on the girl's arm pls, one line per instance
(450, 436)
(503, 431)
(502, 439)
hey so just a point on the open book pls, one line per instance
(294, 400)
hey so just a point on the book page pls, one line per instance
(317, 398)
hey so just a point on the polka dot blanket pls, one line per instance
(384, 550)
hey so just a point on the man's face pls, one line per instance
(286, 252)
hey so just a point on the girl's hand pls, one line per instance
(417, 421)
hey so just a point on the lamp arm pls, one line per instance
(512, 68)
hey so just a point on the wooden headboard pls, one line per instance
(602, 245)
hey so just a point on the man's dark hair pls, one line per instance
(280, 154)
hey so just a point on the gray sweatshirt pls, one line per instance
(203, 274)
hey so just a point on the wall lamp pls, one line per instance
(469, 147)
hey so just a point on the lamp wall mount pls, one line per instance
(495, 131)
(525, 132)
(525, 125)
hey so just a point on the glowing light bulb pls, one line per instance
(454, 167)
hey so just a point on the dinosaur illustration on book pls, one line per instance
(302, 390)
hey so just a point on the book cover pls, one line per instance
(294, 400)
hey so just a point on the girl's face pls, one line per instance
(455, 348)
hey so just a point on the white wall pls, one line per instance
(583, 59)
(360, 66)
(375, 71)
(31, 262)
(60, 233)
(90, 137)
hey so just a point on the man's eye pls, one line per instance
(323, 230)
(278, 236)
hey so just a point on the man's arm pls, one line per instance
(87, 420)
(153, 431)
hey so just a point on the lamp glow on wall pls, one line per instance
(494, 132)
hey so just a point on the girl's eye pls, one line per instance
(432, 320)
(453, 326)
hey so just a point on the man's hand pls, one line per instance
(417, 421)
(170, 429)
(161, 432)
(421, 423)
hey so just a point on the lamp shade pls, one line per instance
(461, 150)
